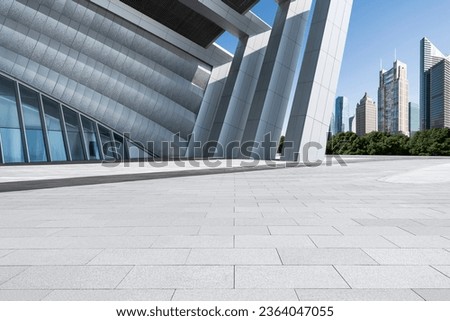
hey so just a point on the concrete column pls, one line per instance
(239, 90)
(208, 110)
(275, 83)
(316, 89)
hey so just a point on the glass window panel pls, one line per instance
(73, 134)
(90, 138)
(120, 147)
(107, 142)
(33, 126)
(136, 152)
(54, 130)
(10, 135)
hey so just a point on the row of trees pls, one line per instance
(433, 142)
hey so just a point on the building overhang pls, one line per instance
(202, 21)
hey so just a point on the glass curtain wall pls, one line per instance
(35, 128)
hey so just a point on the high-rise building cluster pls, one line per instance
(395, 113)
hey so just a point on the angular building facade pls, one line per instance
(393, 100)
(434, 87)
(91, 80)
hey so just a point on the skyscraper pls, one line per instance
(340, 110)
(393, 99)
(366, 116)
(414, 118)
(434, 87)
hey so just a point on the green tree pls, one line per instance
(378, 143)
(433, 142)
(344, 144)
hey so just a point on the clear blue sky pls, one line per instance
(377, 29)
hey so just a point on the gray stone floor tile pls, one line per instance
(68, 277)
(444, 269)
(141, 257)
(325, 257)
(348, 241)
(8, 272)
(27, 232)
(236, 295)
(232, 214)
(33, 243)
(265, 222)
(393, 277)
(23, 295)
(4, 252)
(371, 230)
(50, 257)
(419, 241)
(94, 231)
(410, 256)
(110, 242)
(165, 230)
(233, 257)
(434, 222)
(434, 294)
(234, 230)
(344, 215)
(428, 230)
(19, 223)
(326, 222)
(179, 277)
(357, 295)
(203, 222)
(303, 230)
(109, 295)
(273, 241)
(288, 277)
(201, 241)
(387, 222)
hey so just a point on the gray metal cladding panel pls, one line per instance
(102, 65)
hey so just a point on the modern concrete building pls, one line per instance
(91, 80)
(366, 116)
(414, 118)
(393, 99)
(434, 87)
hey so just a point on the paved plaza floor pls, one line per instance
(377, 229)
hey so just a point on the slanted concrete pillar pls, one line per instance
(316, 89)
(239, 90)
(208, 111)
(271, 99)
